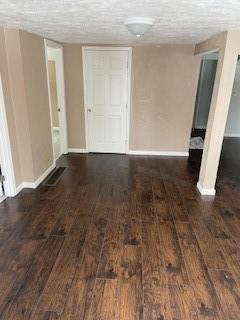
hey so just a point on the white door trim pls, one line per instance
(60, 93)
(5, 150)
(129, 72)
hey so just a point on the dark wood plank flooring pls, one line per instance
(123, 238)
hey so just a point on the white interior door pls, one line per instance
(106, 100)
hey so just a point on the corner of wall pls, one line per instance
(18, 97)
(30, 109)
(36, 89)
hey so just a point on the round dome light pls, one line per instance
(139, 25)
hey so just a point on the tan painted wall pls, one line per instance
(25, 90)
(163, 96)
(35, 73)
(17, 87)
(164, 82)
(74, 95)
(53, 91)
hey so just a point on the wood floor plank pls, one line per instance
(78, 303)
(130, 287)
(231, 218)
(154, 274)
(157, 303)
(109, 265)
(182, 303)
(210, 248)
(161, 207)
(231, 252)
(227, 292)
(66, 217)
(41, 226)
(207, 304)
(93, 248)
(46, 315)
(155, 295)
(16, 251)
(104, 300)
(176, 205)
(132, 223)
(34, 281)
(80, 294)
(216, 226)
(14, 271)
(171, 252)
(59, 282)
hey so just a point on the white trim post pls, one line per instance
(5, 150)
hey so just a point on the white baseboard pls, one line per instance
(139, 152)
(76, 150)
(35, 184)
(159, 153)
(232, 135)
(19, 188)
(206, 192)
(2, 198)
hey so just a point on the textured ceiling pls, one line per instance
(102, 21)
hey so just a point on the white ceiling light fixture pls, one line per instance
(139, 25)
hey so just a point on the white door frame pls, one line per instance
(129, 72)
(5, 150)
(60, 94)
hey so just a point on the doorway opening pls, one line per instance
(56, 91)
(206, 81)
(229, 164)
(107, 79)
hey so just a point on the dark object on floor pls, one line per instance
(196, 143)
(54, 177)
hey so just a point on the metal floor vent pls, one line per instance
(54, 177)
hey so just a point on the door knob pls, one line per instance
(89, 110)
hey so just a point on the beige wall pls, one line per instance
(18, 94)
(164, 84)
(26, 95)
(35, 73)
(74, 95)
(53, 91)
